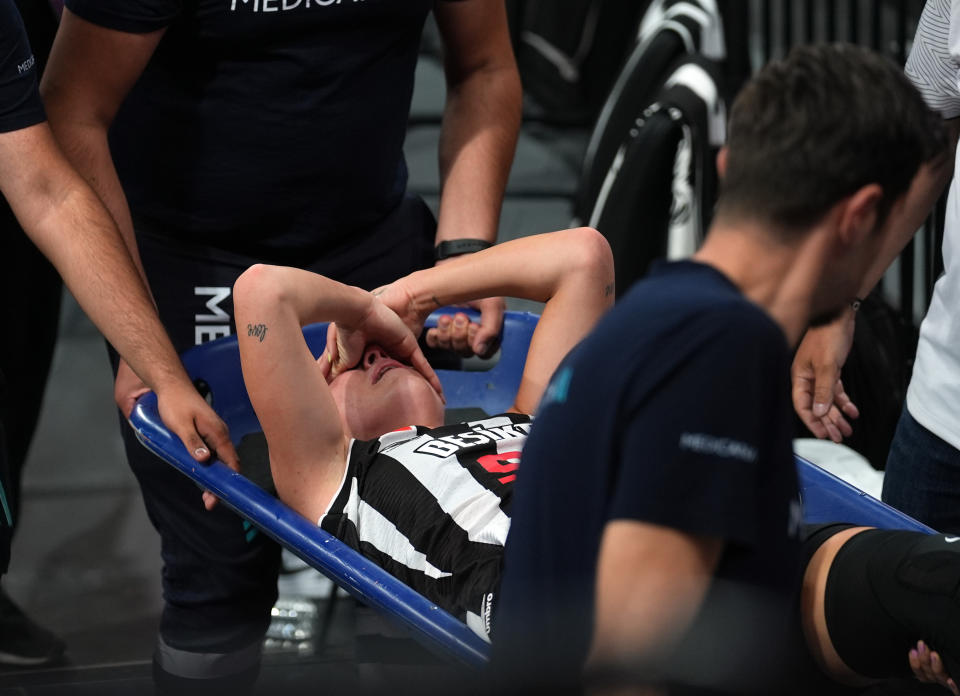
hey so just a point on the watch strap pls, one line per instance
(458, 247)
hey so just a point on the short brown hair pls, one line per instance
(811, 129)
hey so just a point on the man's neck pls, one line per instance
(778, 277)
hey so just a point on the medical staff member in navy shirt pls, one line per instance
(656, 515)
(223, 133)
(66, 220)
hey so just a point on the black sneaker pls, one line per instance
(22, 642)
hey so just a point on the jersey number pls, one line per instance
(501, 464)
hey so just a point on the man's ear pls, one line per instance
(859, 214)
(722, 162)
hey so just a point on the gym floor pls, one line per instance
(86, 561)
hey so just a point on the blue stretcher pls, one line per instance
(825, 497)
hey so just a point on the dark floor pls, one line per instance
(86, 561)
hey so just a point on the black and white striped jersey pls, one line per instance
(432, 508)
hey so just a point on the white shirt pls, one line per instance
(933, 397)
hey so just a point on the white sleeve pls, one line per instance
(934, 62)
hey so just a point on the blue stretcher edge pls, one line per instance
(828, 498)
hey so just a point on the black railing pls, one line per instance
(884, 25)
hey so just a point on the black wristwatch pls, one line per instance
(458, 247)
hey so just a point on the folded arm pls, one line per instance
(570, 270)
(288, 387)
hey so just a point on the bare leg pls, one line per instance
(813, 614)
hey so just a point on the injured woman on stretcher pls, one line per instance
(357, 443)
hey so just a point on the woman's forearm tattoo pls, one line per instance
(257, 331)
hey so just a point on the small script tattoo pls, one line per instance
(607, 291)
(436, 301)
(257, 330)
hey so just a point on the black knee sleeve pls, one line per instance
(888, 589)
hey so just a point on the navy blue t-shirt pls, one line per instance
(674, 411)
(276, 121)
(20, 105)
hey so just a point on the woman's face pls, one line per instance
(382, 394)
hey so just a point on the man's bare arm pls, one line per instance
(69, 224)
(88, 75)
(651, 581)
(818, 396)
(481, 118)
(478, 138)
